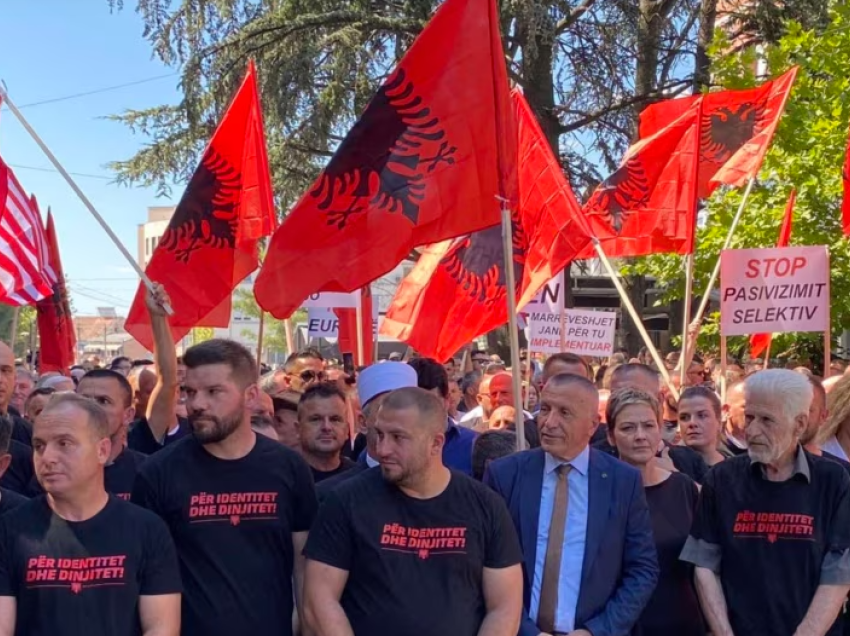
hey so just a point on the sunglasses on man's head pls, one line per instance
(309, 376)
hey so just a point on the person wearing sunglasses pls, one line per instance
(304, 369)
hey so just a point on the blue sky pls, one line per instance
(53, 49)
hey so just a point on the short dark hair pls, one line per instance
(321, 391)
(702, 392)
(304, 354)
(96, 415)
(634, 367)
(44, 390)
(566, 358)
(109, 374)
(489, 446)
(6, 425)
(469, 380)
(817, 386)
(431, 375)
(280, 404)
(242, 365)
(116, 361)
(431, 409)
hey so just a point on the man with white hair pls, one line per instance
(771, 536)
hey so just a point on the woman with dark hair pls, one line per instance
(634, 428)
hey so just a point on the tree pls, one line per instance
(274, 331)
(807, 154)
(26, 330)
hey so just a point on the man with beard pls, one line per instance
(238, 504)
(413, 548)
(771, 535)
(323, 429)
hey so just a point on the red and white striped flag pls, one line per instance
(25, 274)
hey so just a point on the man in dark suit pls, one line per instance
(590, 559)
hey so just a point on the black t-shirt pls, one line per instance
(141, 438)
(415, 566)
(329, 485)
(21, 473)
(232, 523)
(118, 477)
(10, 500)
(84, 578)
(688, 461)
(21, 429)
(321, 475)
(773, 538)
(674, 608)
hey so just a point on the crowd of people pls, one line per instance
(193, 495)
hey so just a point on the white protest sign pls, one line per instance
(544, 317)
(332, 300)
(323, 323)
(774, 290)
(590, 333)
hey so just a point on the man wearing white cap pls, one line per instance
(373, 385)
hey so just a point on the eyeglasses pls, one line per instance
(310, 376)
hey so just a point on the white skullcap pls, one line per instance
(380, 378)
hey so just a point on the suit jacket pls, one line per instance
(620, 568)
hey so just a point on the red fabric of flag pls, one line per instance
(210, 244)
(736, 129)
(424, 163)
(845, 205)
(648, 206)
(458, 289)
(347, 338)
(24, 277)
(760, 342)
(55, 323)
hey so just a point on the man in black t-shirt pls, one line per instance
(413, 547)
(771, 536)
(238, 504)
(78, 561)
(112, 392)
(323, 429)
(8, 498)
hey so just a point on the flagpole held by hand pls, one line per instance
(656, 357)
(714, 274)
(513, 329)
(4, 96)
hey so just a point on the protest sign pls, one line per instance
(774, 290)
(323, 323)
(332, 300)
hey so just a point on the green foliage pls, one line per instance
(807, 154)
(27, 332)
(274, 332)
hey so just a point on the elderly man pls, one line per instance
(590, 559)
(771, 535)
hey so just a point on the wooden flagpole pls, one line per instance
(260, 337)
(287, 329)
(827, 334)
(656, 357)
(686, 319)
(722, 369)
(4, 96)
(13, 335)
(716, 272)
(513, 328)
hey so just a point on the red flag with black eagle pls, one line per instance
(845, 205)
(55, 323)
(760, 342)
(211, 243)
(737, 127)
(648, 206)
(424, 163)
(457, 291)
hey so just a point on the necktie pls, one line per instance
(554, 548)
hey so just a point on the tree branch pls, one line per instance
(567, 21)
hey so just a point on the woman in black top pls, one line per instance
(634, 429)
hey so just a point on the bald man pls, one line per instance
(412, 523)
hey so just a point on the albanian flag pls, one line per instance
(424, 163)
(736, 129)
(347, 320)
(458, 289)
(845, 206)
(760, 342)
(210, 244)
(55, 323)
(648, 206)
